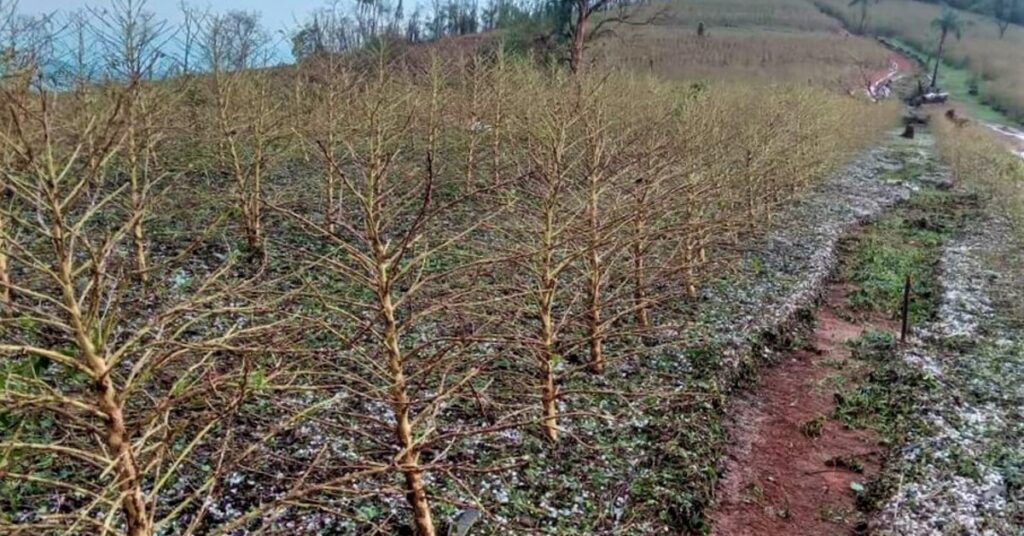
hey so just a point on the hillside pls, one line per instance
(992, 64)
(459, 275)
(776, 40)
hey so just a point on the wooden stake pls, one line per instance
(905, 329)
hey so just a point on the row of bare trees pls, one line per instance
(217, 277)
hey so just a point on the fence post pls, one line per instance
(905, 329)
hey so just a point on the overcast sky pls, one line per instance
(276, 15)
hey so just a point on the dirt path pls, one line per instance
(879, 82)
(778, 480)
(1013, 137)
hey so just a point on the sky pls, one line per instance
(277, 15)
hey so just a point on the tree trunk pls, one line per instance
(938, 60)
(498, 88)
(133, 504)
(475, 127)
(140, 249)
(594, 274)
(637, 250)
(5, 274)
(549, 397)
(691, 273)
(596, 328)
(579, 36)
(409, 459)
(549, 392)
(331, 211)
(118, 440)
(138, 208)
(643, 317)
(254, 201)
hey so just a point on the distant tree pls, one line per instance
(577, 14)
(1005, 13)
(581, 13)
(129, 39)
(949, 22)
(234, 41)
(307, 42)
(437, 22)
(396, 19)
(864, 4)
(188, 35)
(413, 30)
(328, 30)
(489, 15)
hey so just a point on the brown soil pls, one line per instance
(778, 480)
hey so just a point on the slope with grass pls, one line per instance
(981, 60)
(959, 468)
(780, 41)
(377, 282)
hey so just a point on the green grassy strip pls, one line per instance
(955, 80)
(906, 242)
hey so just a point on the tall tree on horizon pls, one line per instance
(864, 4)
(949, 22)
(572, 18)
(1005, 13)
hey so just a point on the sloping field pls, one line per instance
(770, 41)
(996, 65)
(445, 288)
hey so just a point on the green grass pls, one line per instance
(995, 61)
(906, 242)
(957, 82)
(885, 401)
(888, 401)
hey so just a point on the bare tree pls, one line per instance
(392, 250)
(80, 313)
(947, 23)
(614, 153)
(131, 40)
(189, 35)
(1005, 13)
(541, 237)
(249, 131)
(611, 13)
(864, 5)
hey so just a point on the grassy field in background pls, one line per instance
(957, 82)
(979, 161)
(769, 41)
(995, 65)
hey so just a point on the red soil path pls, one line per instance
(777, 481)
(898, 65)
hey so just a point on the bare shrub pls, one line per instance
(110, 363)
(249, 123)
(396, 255)
(455, 245)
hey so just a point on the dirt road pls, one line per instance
(1013, 137)
(880, 81)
